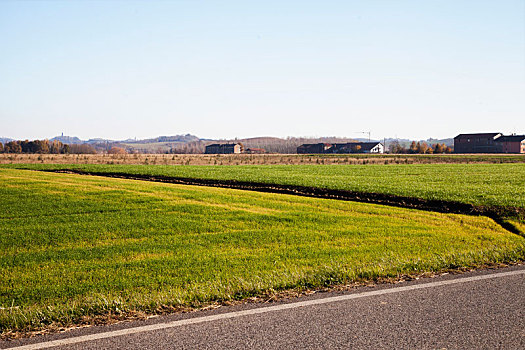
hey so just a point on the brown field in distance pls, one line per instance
(255, 159)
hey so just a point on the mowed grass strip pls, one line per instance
(492, 185)
(75, 247)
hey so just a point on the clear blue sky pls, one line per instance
(224, 69)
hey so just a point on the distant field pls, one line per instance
(76, 247)
(259, 159)
(152, 147)
(500, 185)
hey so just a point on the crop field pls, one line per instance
(74, 248)
(492, 185)
(259, 159)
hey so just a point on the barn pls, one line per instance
(477, 143)
(313, 148)
(494, 142)
(511, 144)
(224, 148)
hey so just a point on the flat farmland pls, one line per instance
(74, 249)
(488, 185)
(259, 159)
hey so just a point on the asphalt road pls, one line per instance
(476, 310)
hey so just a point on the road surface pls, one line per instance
(477, 310)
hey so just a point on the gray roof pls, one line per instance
(512, 138)
(367, 146)
(486, 134)
(223, 144)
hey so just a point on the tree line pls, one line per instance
(419, 148)
(45, 147)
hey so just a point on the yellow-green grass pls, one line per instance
(73, 246)
(489, 185)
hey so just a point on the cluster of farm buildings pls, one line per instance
(350, 147)
(463, 143)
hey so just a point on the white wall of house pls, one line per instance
(378, 149)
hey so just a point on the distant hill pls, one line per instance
(71, 140)
(98, 140)
(449, 142)
(175, 138)
(5, 139)
(160, 144)
(164, 144)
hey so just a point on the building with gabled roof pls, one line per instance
(313, 148)
(477, 143)
(224, 148)
(511, 144)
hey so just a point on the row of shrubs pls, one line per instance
(420, 148)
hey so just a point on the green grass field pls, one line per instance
(75, 246)
(478, 184)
